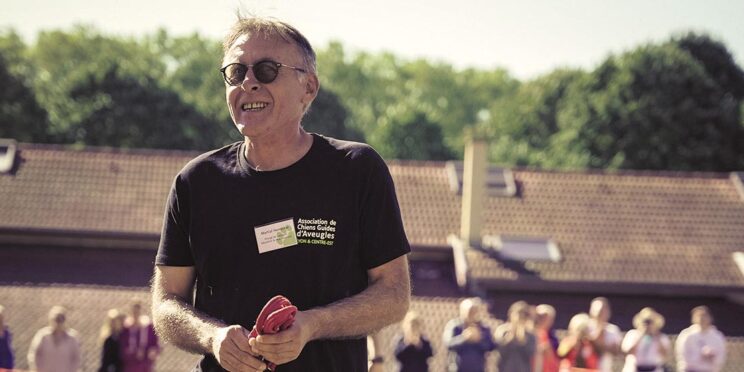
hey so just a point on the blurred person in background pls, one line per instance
(139, 345)
(646, 348)
(110, 332)
(6, 343)
(412, 348)
(701, 347)
(468, 339)
(375, 358)
(605, 335)
(546, 357)
(55, 348)
(576, 350)
(516, 342)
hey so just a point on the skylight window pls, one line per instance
(523, 249)
(739, 260)
(7, 155)
(499, 181)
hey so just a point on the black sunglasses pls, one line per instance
(264, 71)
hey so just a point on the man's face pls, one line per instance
(274, 108)
(136, 310)
(702, 319)
(470, 312)
(600, 311)
(57, 320)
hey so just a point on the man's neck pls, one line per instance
(266, 154)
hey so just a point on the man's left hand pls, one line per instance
(285, 346)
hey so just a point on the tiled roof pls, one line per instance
(430, 210)
(624, 227)
(89, 190)
(612, 227)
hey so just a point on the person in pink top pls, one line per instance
(138, 342)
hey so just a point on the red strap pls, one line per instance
(277, 315)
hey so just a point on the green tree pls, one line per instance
(129, 113)
(328, 116)
(655, 107)
(522, 124)
(376, 88)
(64, 60)
(716, 60)
(21, 116)
(411, 135)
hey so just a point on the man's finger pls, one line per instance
(243, 361)
(277, 338)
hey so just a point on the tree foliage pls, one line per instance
(21, 116)
(670, 105)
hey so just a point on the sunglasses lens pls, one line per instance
(265, 71)
(235, 74)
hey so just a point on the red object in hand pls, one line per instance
(277, 315)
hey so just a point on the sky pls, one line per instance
(528, 38)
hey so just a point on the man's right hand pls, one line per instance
(231, 349)
(472, 334)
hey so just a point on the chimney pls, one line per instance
(473, 191)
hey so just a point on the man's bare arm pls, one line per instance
(385, 301)
(177, 322)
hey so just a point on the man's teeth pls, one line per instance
(254, 106)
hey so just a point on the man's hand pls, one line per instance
(472, 334)
(285, 346)
(377, 367)
(233, 351)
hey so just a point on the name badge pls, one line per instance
(276, 235)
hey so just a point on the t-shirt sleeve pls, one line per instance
(382, 235)
(174, 249)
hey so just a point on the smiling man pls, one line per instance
(284, 212)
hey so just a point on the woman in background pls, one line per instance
(412, 348)
(516, 341)
(576, 349)
(139, 346)
(646, 348)
(110, 331)
(6, 343)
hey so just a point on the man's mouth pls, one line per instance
(254, 106)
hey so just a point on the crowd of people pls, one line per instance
(128, 343)
(527, 342)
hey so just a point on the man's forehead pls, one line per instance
(259, 44)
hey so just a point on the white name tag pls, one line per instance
(276, 235)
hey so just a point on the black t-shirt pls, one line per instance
(334, 212)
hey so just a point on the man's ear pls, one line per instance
(312, 85)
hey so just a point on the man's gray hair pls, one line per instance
(271, 28)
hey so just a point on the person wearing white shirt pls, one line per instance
(605, 336)
(55, 348)
(701, 347)
(646, 348)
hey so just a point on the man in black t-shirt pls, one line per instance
(284, 212)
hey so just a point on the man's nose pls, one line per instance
(250, 82)
(251, 85)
